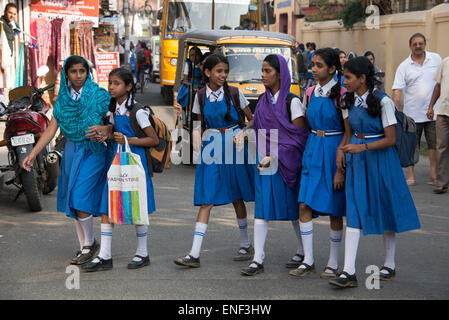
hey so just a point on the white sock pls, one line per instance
(200, 231)
(244, 237)
(142, 235)
(260, 235)
(300, 250)
(88, 227)
(351, 245)
(80, 233)
(106, 241)
(390, 249)
(307, 241)
(335, 242)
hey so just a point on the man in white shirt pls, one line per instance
(441, 91)
(415, 77)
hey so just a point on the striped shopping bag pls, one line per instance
(127, 188)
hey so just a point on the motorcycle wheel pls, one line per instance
(30, 187)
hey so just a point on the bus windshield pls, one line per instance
(245, 61)
(185, 15)
(236, 14)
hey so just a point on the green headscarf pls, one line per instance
(74, 117)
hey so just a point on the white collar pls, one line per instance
(74, 93)
(209, 91)
(121, 108)
(363, 97)
(425, 60)
(326, 88)
(274, 98)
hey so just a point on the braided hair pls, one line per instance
(332, 59)
(359, 66)
(127, 76)
(209, 64)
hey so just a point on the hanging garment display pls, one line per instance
(75, 42)
(65, 42)
(87, 41)
(43, 32)
(56, 35)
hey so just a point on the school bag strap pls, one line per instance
(235, 98)
(405, 134)
(288, 101)
(140, 133)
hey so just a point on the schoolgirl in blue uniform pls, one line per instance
(216, 181)
(277, 186)
(322, 175)
(81, 103)
(378, 200)
(122, 89)
(192, 75)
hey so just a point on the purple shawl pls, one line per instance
(291, 139)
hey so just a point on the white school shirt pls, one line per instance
(75, 94)
(217, 96)
(387, 112)
(326, 89)
(417, 83)
(142, 115)
(296, 107)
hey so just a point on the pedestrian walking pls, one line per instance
(378, 72)
(278, 174)
(311, 47)
(441, 91)
(122, 90)
(81, 103)
(415, 79)
(322, 176)
(218, 182)
(378, 200)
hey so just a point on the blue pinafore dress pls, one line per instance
(123, 125)
(377, 196)
(221, 178)
(319, 159)
(82, 175)
(275, 200)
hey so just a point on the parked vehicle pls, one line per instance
(25, 123)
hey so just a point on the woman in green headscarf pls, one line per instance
(81, 104)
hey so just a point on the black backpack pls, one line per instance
(405, 135)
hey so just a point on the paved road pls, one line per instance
(35, 249)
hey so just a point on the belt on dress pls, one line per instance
(322, 133)
(223, 130)
(368, 136)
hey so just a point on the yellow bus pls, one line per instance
(181, 16)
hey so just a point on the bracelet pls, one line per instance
(366, 146)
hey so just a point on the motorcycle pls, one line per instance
(25, 123)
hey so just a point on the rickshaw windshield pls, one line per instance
(245, 61)
(236, 14)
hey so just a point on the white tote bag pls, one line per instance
(127, 188)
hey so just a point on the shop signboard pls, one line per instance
(105, 63)
(75, 10)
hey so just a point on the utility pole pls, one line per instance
(127, 33)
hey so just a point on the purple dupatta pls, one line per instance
(291, 139)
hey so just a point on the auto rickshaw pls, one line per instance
(245, 51)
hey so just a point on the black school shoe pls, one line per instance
(247, 255)
(74, 260)
(293, 264)
(144, 261)
(188, 261)
(101, 265)
(251, 271)
(387, 276)
(88, 257)
(349, 282)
